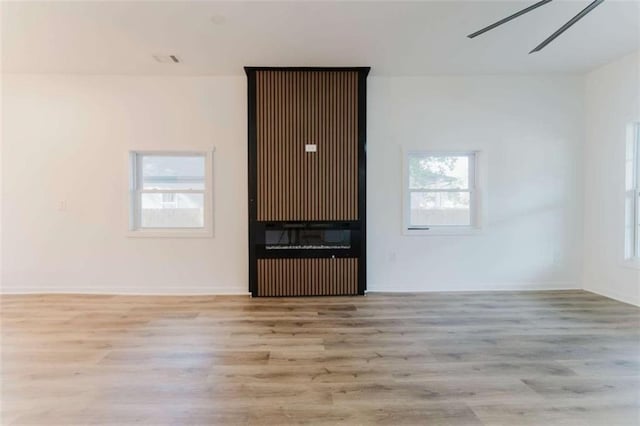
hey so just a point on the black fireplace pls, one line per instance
(308, 239)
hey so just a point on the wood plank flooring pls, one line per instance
(499, 358)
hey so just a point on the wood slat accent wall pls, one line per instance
(307, 277)
(295, 108)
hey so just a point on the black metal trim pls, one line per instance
(318, 224)
(307, 254)
(252, 179)
(362, 178)
(365, 70)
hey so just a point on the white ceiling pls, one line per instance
(395, 38)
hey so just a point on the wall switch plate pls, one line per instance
(311, 147)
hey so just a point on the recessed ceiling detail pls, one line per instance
(166, 59)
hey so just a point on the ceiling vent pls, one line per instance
(167, 59)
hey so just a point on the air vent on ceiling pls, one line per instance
(167, 59)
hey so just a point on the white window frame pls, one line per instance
(632, 254)
(136, 191)
(475, 205)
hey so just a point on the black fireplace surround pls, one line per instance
(309, 239)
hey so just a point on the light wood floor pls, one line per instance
(534, 358)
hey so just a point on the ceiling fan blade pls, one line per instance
(509, 18)
(566, 26)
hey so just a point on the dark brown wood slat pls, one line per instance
(312, 277)
(296, 108)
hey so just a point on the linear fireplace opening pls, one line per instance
(307, 236)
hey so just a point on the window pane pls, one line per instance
(629, 225)
(438, 172)
(173, 172)
(630, 167)
(440, 209)
(175, 210)
(637, 225)
(632, 200)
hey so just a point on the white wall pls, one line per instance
(529, 131)
(612, 103)
(67, 137)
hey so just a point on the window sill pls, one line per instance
(631, 263)
(443, 231)
(180, 233)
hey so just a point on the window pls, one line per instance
(440, 191)
(170, 194)
(632, 194)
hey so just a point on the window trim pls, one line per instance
(475, 195)
(134, 194)
(632, 259)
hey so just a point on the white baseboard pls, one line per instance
(232, 291)
(523, 286)
(127, 291)
(203, 291)
(624, 298)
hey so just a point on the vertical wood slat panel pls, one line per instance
(299, 107)
(308, 277)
